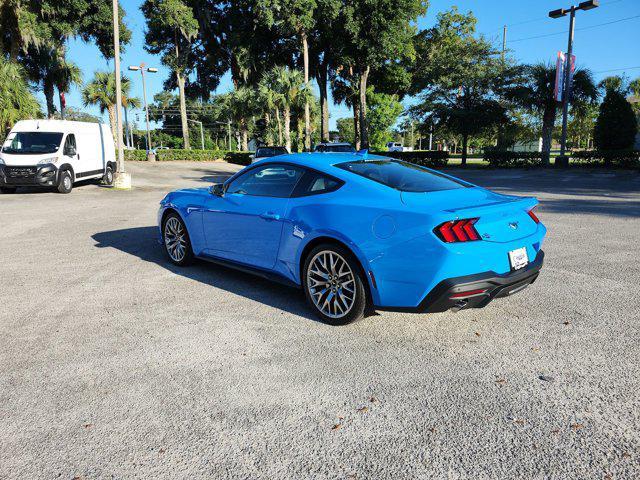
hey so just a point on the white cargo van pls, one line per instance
(56, 153)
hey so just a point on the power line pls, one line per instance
(617, 69)
(583, 28)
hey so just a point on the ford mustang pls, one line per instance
(359, 233)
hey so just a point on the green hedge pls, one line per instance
(425, 158)
(239, 158)
(609, 158)
(507, 158)
(177, 155)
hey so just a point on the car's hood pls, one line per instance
(25, 160)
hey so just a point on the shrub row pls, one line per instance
(425, 158)
(176, 155)
(507, 158)
(613, 158)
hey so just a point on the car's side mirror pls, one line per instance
(217, 189)
(70, 151)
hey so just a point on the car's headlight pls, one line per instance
(46, 161)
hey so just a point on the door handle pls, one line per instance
(270, 216)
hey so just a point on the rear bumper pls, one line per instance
(28, 176)
(482, 288)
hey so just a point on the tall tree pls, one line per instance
(101, 91)
(460, 76)
(373, 33)
(16, 100)
(616, 125)
(291, 90)
(535, 94)
(171, 28)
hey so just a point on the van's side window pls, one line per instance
(70, 145)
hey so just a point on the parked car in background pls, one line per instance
(268, 152)
(56, 153)
(335, 148)
(354, 232)
(398, 147)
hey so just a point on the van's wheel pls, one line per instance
(175, 239)
(65, 184)
(8, 189)
(107, 179)
(333, 285)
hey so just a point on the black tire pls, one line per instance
(7, 190)
(336, 290)
(170, 234)
(107, 178)
(65, 183)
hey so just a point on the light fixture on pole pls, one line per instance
(566, 96)
(143, 68)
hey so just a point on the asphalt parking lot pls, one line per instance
(115, 364)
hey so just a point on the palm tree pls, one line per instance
(535, 94)
(291, 89)
(66, 74)
(101, 91)
(241, 102)
(271, 99)
(16, 100)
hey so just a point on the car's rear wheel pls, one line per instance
(107, 178)
(333, 285)
(175, 239)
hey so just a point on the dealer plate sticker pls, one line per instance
(518, 258)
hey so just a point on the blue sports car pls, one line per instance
(359, 232)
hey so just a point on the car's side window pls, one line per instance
(70, 145)
(274, 180)
(314, 183)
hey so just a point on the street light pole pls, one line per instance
(566, 91)
(143, 68)
(201, 130)
(121, 179)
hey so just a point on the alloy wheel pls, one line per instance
(331, 284)
(175, 239)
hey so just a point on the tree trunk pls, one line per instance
(111, 109)
(287, 127)
(279, 122)
(48, 90)
(323, 80)
(356, 123)
(465, 139)
(268, 138)
(364, 128)
(245, 138)
(183, 112)
(62, 107)
(307, 116)
(548, 120)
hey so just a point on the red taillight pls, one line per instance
(468, 293)
(458, 231)
(532, 214)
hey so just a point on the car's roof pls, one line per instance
(324, 161)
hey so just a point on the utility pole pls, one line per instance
(504, 40)
(566, 91)
(229, 132)
(143, 68)
(201, 131)
(122, 179)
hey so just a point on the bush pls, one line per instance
(239, 158)
(176, 155)
(616, 124)
(424, 158)
(507, 158)
(615, 158)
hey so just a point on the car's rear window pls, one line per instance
(401, 175)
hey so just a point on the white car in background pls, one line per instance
(56, 153)
(268, 152)
(398, 147)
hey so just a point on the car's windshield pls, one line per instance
(270, 151)
(33, 142)
(339, 148)
(401, 175)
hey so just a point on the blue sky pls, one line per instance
(604, 49)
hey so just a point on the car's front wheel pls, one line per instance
(175, 239)
(333, 285)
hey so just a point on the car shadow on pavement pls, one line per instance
(142, 243)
